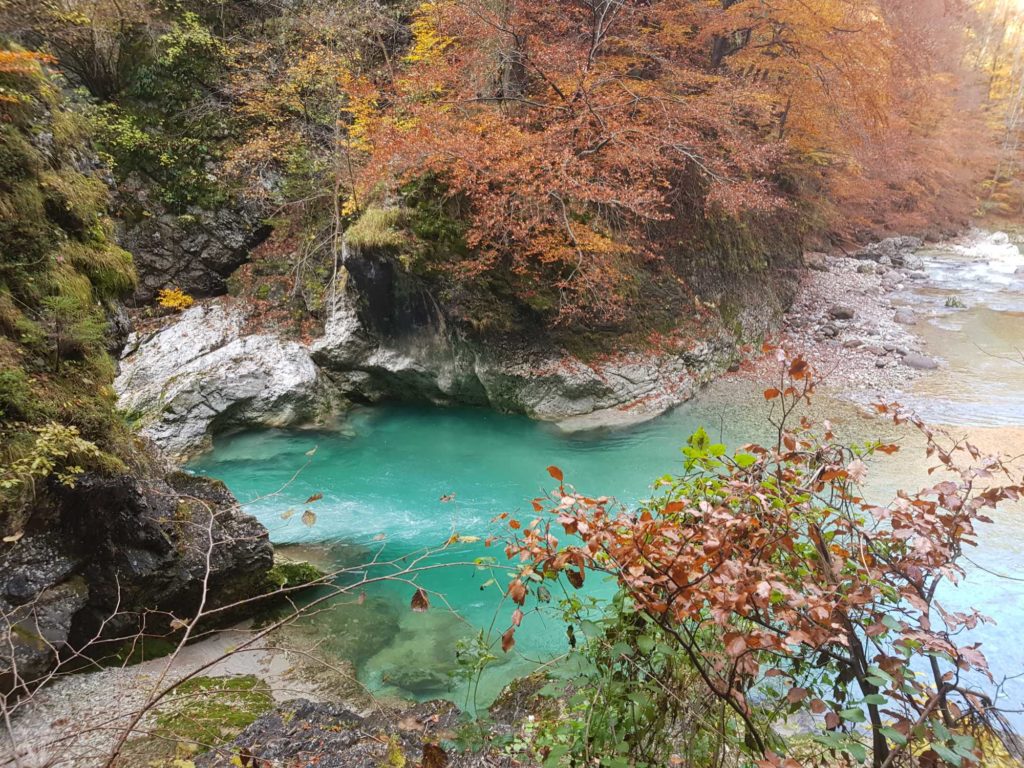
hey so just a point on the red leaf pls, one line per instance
(556, 473)
(517, 591)
(314, 497)
(796, 695)
(575, 578)
(674, 506)
(508, 640)
(771, 394)
(420, 601)
(818, 706)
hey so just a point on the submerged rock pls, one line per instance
(203, 374)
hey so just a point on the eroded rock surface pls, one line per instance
(203, 373)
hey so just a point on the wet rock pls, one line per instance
(919, 362)
(841, 312)
(202, 374)
(909, 261)
(418, 681)
(905, 316)
(918, 275)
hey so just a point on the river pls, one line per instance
(399, 479)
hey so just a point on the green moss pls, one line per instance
(378, 229)
(210, 711)
(293, 574)
(58, 265)
(108, 268)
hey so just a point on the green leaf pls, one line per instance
(856, 749)
(853, 715)
(744, 460)
(946, 753)
(645, 643)
(894, 736)
(875, 698)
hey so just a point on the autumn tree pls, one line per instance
(786, 591)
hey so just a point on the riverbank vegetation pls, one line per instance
(559, 169)
(759, 590)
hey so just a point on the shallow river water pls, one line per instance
(384, 474)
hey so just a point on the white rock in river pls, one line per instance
(201, 374)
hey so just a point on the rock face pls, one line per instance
(194, 252)
(115, 556)
(303, 733)
(204, 374)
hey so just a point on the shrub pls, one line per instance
(174, 299)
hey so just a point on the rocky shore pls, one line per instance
(853, 321)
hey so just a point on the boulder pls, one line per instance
(905, 316)
(202, 374)
(841, 312)
(919, 362)
(816, 260)
(115, 556)
(892, 248)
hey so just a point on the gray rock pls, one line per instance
(919, 362)
(909, 261)
(326, 735)
(905, 316)
(816, 260)
(866, 269)
(918, 275)
(841, 312)
(830, 331)
(852, 343)
(202, 374)
(194, 252)
(114, 556)
(893, 248)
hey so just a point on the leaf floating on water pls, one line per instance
(380, 537)
(14, 538)
(420, 601)
(309, 518)
(314, 497)
(312, 451)
(448, 497)
(556, 473)
(287, 514)
(361, 599)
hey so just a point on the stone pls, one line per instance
(112, 556)
(302, 732)
(892, 247)
(918, 275)
(919, 362)
(841, 312)
(202, 373)
(905, 316)
(910, 261)
(816, 260)
(880, 363)
(866, 269)
(194, 252)
(852, 343)
(830, 331)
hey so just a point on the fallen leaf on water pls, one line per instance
(309, 518)
(314, 497)
(312, 450)
(380, 537)
(420, 601)
(287, 515)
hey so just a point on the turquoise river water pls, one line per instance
(384, 476)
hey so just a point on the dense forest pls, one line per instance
(260, 213)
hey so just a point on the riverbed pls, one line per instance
(399, 480)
